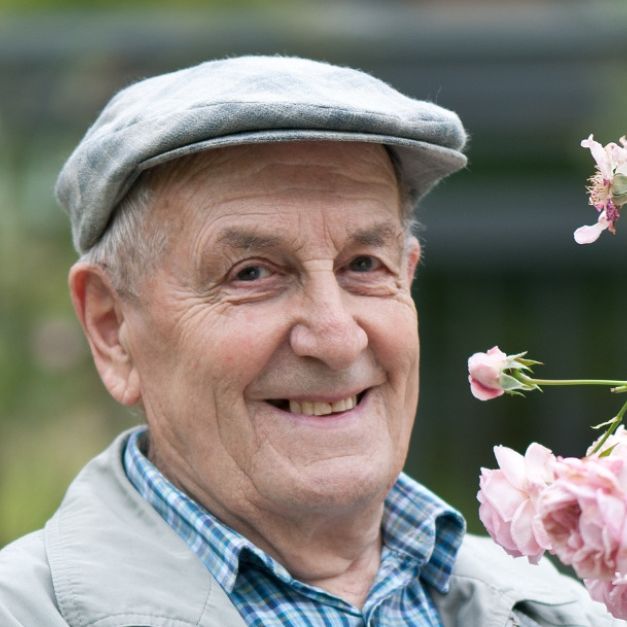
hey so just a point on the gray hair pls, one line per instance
(132, 245)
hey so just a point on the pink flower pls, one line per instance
(484, 373)
(584, 513)
(509, 496)
(611, 593)
(607, 189)
(494, 373)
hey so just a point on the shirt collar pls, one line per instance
(416, 523)
(421, 526)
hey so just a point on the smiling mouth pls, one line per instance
(317, 408)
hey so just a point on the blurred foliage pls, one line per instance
(499, 264)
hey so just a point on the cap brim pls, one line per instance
(423, 163)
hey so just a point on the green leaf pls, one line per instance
(514, 393)
(509, 383)
(619, 189)
(530, 362)
(608, 451)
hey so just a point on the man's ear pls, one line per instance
(100, 311)
(413, 258)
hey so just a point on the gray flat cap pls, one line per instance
(242, 101)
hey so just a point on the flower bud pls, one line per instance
(493, 373)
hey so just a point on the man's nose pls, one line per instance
(326, 328)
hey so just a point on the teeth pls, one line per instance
(345, 405)
(321, 409)
(309, 408)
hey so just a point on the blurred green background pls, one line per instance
(529, 79)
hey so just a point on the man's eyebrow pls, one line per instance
(246, 239)
(377, 235)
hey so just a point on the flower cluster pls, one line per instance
(575, 509)
(607, 187)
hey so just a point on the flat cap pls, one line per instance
(248, 100)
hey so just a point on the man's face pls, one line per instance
(276, 347)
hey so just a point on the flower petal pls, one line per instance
(512, 463)
(539, 461)
(497, 353)
(600, 155)
(590, 234)
(482, 392)
(522, 532)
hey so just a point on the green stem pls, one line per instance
(607, 382)
(612, 428)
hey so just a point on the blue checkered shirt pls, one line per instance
(421, 537)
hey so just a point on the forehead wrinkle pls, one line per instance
(296, 179)
(221, 174)
(371, 164)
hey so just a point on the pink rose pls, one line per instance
(508, 498)
(484, 373)
(613, 594)
(584, 513)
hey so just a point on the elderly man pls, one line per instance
(247, 257)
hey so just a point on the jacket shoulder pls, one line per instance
(497, 580)
(26, 592)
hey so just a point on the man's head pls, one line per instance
(271, 339)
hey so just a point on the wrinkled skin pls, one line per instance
(288, 279)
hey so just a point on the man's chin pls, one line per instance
(334, 487)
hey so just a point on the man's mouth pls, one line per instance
(318, 408)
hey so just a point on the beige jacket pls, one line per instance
(107, 559)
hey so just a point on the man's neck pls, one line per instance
(354, 582)
(339, 556)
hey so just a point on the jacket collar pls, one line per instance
(111, 555)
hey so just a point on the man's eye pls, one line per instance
(364, 263)
(252, 273)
